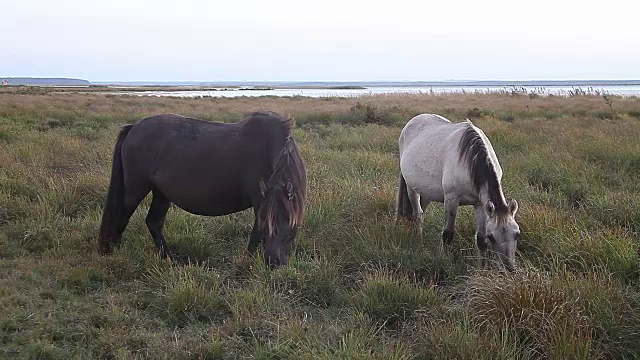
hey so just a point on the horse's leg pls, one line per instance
(404, 210)
(155, 221)
(451, 203)
(256, 237)
(417, 215)
(424, 203)
(132, 198)
(481, 234)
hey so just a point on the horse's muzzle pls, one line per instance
(274, 261)
(509, 268)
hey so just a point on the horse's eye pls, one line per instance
(491, 238)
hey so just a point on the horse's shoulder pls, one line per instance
(265, 126)
(268, 118)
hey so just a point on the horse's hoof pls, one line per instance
(173, 256)
(105, 249)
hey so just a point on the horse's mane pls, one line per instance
(473, 153)
(288, 168)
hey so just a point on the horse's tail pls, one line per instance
(404, 211)
(114, 206)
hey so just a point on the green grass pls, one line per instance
(357, 286)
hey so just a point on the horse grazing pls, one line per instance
(454, 163)
(212, 169)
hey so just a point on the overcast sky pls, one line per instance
(339, 40)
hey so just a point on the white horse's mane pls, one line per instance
(475, 156)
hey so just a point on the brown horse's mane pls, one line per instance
(473, 153)
(290, 176)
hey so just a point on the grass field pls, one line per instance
(357, 286)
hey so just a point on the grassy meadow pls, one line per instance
(357, 287)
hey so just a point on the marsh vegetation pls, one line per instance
(357, 286)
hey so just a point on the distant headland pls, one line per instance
(35, 81)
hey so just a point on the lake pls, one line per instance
(621, 90)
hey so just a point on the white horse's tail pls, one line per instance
(404, 211)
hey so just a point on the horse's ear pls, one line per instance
(290, 190)
(491, 209)
(513, 207)
(263, 187)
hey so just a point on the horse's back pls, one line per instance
(167, 138)
(429, 155)
(429, 135)
(174, 140)
(204, 167)
(427, 128)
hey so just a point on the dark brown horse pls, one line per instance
(211, 169)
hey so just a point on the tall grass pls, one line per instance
(357, 285)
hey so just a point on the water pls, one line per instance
(621, 90)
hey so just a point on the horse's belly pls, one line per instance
(424, 180)
(217, 209)
(202, 196)
(213, 206)
(429, 192)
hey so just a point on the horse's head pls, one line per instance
(503, 233)
(279, 216)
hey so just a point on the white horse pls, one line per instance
(454, 163)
